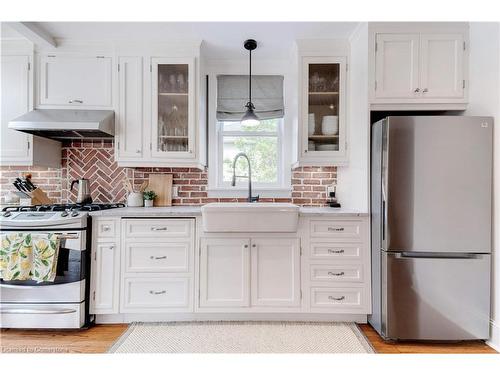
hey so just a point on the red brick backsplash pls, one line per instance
(95, 160)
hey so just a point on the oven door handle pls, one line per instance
(36, 311)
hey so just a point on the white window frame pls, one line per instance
(216, 186)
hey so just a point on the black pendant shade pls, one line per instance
(250, 118)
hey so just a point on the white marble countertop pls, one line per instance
(187, 211)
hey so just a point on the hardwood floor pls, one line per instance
(99, 338)
(413, 347)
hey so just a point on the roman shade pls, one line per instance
(232, 95)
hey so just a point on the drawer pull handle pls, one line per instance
(336, 298)
(159, 228)
(75, 101)
(157, 292)
(331, 251)
(336, 273)
(162, 257)
(333, 229)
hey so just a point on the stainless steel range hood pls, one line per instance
(60, 124)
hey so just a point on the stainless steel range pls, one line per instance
(64, 302)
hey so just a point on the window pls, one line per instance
(264, 144)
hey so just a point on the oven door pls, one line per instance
(69, 284)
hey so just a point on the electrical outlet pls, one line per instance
(329, 189)
(175, 191)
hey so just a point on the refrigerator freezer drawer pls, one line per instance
(436, 298)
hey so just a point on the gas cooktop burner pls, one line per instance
(65, 207)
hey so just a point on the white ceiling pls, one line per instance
(222, 39)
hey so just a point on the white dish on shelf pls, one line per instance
(327, 147)
(330, 125)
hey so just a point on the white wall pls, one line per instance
(484, 99)
(352, 189)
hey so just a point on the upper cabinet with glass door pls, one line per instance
(173, 108)
(323, 139)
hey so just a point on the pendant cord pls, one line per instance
(250, 80)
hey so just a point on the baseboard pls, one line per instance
(494, 340)
(128, 318)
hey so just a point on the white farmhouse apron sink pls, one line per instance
(250, 217)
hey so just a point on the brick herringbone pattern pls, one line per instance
(96, 163)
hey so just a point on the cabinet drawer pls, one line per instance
(335, 229)
(337, 251)
(157, 256)
(155, 293)
(337, 273)
(163, 228)
(106, 228)
(336, 297)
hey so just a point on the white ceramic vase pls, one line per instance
(135, 200)
(148, 203)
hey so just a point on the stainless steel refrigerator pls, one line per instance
(431, 207)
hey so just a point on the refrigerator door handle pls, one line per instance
(422, 255)
(383, 219)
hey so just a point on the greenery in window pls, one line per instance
(260, 143)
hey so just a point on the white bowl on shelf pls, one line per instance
(327, 147)
(330, 125)
(311, 123)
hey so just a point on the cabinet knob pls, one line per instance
(254, 245)
(425, 90)
(246, 246)
(416, 90)
(137, 151)
(106, 228)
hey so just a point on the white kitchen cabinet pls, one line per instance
(275, 272)
(157, 261)
(173, 111)
(418, 66)
(18, 148)
(75, 81)
(441, 65)
(397, 65)
(129, 119)
(323, 127)
(157, 116)
(225, 272)
(249, 272)
(105, 267)
(336, 265)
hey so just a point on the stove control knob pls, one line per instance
(64, 214)
(7, 214)
(74, 214)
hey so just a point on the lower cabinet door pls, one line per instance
(225, 272)
(275, 275)
(105, 279)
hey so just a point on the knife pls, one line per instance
(26, 186)
(30, 184)
(18, 185)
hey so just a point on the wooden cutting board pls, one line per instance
(161, 184)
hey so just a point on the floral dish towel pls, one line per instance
(27, 256)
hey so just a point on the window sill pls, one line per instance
(243, 192)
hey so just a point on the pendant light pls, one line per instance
(250, 118)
